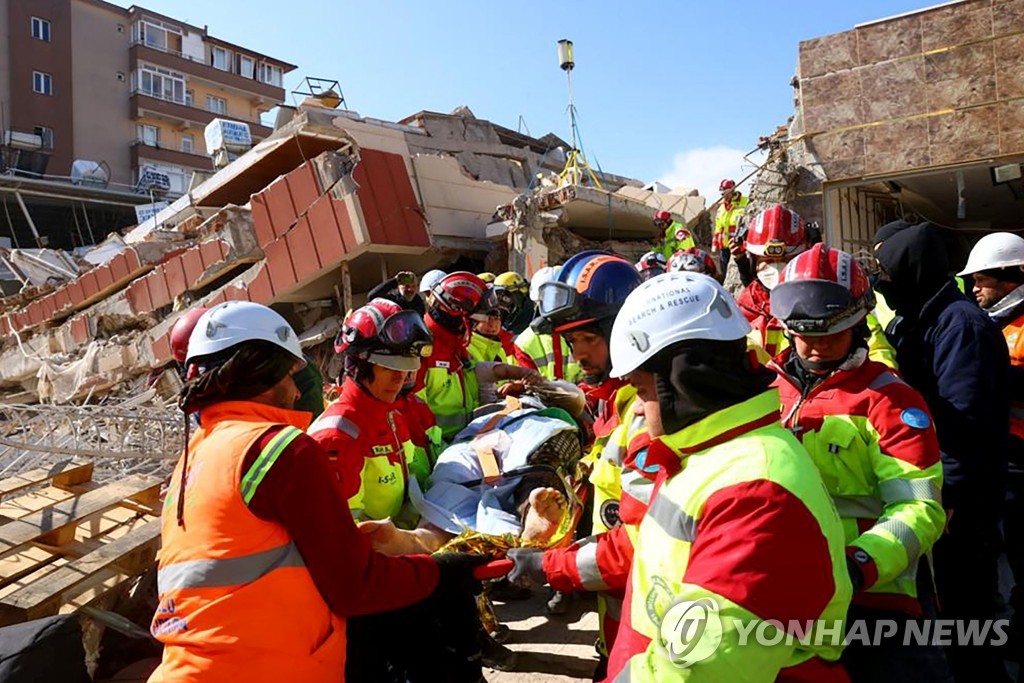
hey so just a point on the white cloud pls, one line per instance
(705, 167)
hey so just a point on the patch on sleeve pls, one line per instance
(916, 418)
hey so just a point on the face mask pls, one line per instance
(769, 273)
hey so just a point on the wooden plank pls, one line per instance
(50, 525)
(16, 508)
(127, 555)
(65, 473)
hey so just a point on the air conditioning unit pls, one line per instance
(85, 172)
(18, 140)
(153, 181)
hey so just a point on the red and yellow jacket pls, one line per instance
(740, 526)
(446, 381)
(871, 436)
(368, 445)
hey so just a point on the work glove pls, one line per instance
(528, 571)
(455, 574)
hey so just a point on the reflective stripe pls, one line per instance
(637, 486)
(899, 490)
(672, 519)
(863, 507)
(234, 571)
(884, 380)
(904, 534)
(586, 565)
(612, 452)
(543, 361)
(265, 460)
(336, 422)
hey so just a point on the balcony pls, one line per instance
(166, 155)
(143, 103)
(264, 92)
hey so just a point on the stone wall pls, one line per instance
(936, 87)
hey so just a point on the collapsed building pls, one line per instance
(328, 206)
(918, 116)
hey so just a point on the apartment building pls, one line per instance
(126, 86)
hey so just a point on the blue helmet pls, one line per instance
(590, 290)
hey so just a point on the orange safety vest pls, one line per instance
(1015, 340)
(237, 602)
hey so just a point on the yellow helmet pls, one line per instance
(512, 281)
(486, 277)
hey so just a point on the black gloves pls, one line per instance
(529, 569)
(856, 575)
(455, 575)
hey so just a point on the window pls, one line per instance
(148, 135)
(42, 83)
(161, 83)
(270, 74)
(46, 135)
(246, 66)
(188, 143)
(220, 59)
(190, 97)
(218, 105)
(177, 175)
(40, 29)
(158, 35)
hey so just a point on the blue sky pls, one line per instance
(676, 91)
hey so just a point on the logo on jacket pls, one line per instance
(383, 450)
(609, 513)
(691, 631)
(916, 418)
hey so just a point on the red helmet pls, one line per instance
(662, 218)
(459, 293)
(822, 291)
(727, 184)
(181, 330)
(384, 333)
(693, 260)
(776, 232)
(651, 264)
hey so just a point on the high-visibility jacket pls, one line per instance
(1015, 341)
(484, 349)
(871, 436)
(236, 600)
(423, 430)
(548, 354)
(622, 492)
(368, 445)
(671, 243)
(740, 526)
(726, 221)
(768, 333)
(446, 381)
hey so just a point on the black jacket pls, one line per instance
(950, 351)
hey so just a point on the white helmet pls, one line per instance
(993, 251)
(234, 322)
(672, 308)
(429, 279)
(542, 276)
